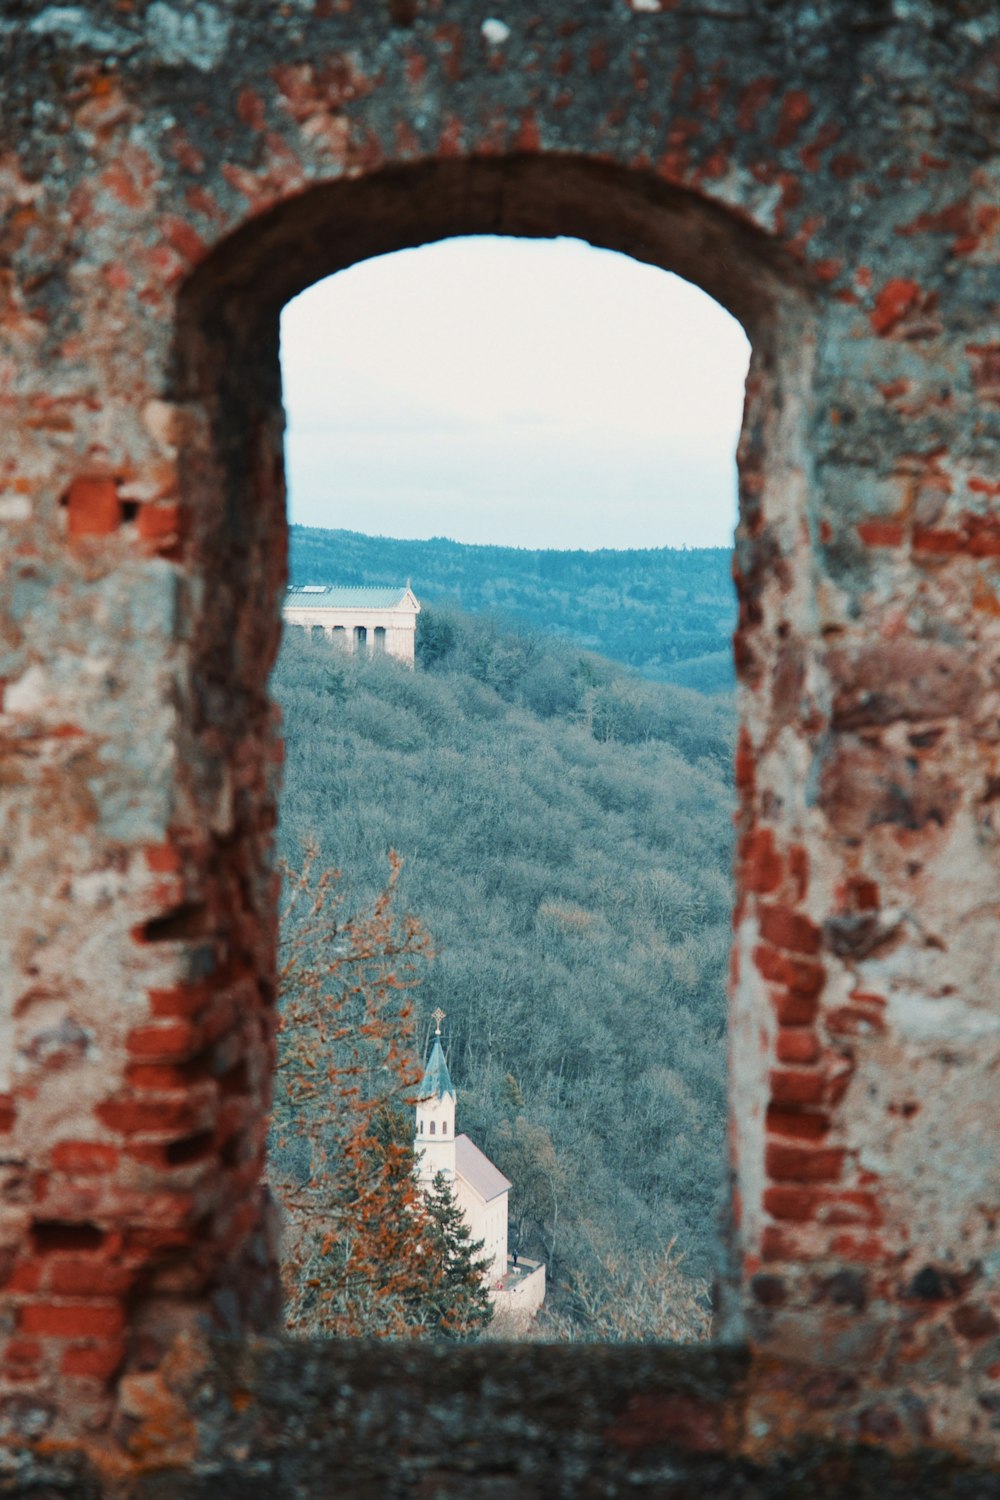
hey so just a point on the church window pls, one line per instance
(379, 640)
(432, 1127)
(444, 1127)
(360, 637)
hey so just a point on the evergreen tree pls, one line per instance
(461, 1302)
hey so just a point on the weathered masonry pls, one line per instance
(368, 621)
(171, 172)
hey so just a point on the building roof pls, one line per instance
(478, 1171)
(437, 1080)
(341, 596)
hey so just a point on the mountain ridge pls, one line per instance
(666, 612)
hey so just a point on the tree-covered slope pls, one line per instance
(566, 834)
(667, 612)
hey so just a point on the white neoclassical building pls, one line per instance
(369, 619)
(517, 1286)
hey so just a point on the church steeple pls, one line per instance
(435, 1137)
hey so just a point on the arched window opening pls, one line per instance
(554, 772)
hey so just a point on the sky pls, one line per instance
(529, 393)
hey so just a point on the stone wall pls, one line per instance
(169, 175)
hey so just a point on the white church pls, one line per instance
(517, 1286)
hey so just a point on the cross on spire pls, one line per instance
(438, 1015)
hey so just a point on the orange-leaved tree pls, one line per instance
(361, 1253)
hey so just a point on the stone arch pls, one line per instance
(227, 370)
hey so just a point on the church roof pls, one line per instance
(478, 1171)
(437, 1080)
(340, 596)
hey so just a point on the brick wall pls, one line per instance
(169, 176)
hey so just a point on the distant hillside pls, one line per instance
(667, 613)
(567, 838)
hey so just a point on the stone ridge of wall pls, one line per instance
(296, 1421)
(170, 174)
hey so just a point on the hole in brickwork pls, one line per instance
(186, 922)
(192, 1148)
(50, 1235)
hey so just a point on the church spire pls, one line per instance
(437, 1080)
(435, 1114)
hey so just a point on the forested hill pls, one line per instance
(666, 612)
(565, 828)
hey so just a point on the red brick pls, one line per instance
(150, 1242)
(159, 1078)
(778, 1244)
(184, 238)
(898, 297)
(789, 929)
(762, 865)
(798, 868)
(164, 859)
(71, 1320)
(21, 1356)
(797, 975)
(797, 1086)
(797, 1044)
(935, 539)
(984, 540)
(24, 1278)
(796, 1124)
(797, 1204)
(148, 1117)
(803, 1163)
(863, 1250)
(180, 1000)
(92, 1277)
(94, 507)
(796, 107)
(85, 1157)
(98, 1361)
(861, 894)
(745, 763)
(171, 1039)
(158, 523)
(881, 533)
